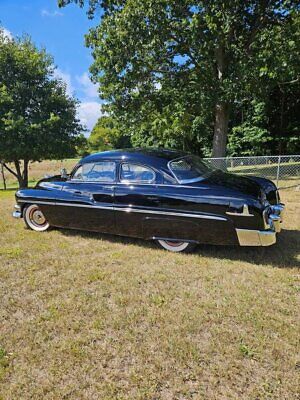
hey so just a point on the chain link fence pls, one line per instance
(283, 170)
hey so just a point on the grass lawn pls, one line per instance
(88, 316)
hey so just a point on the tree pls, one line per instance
(37, 117)
(82, 146)
(161, 63)
(248, 138)
(106, 136)
(267, 120)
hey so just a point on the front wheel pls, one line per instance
(35, 219)
(177, 247)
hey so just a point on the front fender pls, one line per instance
(32, 195)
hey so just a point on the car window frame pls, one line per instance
(93, 181)
(123, 181)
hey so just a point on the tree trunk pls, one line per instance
(25, 174)
(221, 107)
(220, 129)
(3, 176)
(22, 177)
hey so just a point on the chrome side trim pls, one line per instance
(170, 213)
(52, 203)
(174, 240)
(245, 212)
(249, 237)
(115, 183)
(135, 210)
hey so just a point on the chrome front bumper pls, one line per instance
(249, 237)
(17, 213)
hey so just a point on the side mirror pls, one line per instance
(64, 173)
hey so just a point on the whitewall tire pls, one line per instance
(176, 247)
(35, 219)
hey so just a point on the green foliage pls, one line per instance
(82, 147)
(164, 66)
(248, 138)
(106, 136)
(37, 117)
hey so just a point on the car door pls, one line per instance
(136, 195)
(87, 198)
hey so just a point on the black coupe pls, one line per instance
(174, 198)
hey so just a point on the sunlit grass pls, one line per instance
(89, 316)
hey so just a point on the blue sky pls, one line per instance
(61, 32)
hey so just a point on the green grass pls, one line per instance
(89, 316)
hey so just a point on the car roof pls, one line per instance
(153, 157)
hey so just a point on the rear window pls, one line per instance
(189, 169)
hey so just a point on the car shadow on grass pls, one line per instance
(284, 254)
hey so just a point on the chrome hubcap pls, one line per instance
(37, 217)
(174, 244)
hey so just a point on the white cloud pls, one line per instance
(88, 113)
(87, 86)
(88, 110)
(7, 34)
(66, 78)
(46, 13)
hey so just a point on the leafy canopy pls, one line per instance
(37, 117)
(165, 65)
(106, 136)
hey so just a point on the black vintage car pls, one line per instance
(171, 197)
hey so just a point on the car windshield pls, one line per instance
(190, 169)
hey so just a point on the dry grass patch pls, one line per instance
(88, 316)
(38, 170)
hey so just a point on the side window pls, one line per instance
(136, 173)
(103, 171)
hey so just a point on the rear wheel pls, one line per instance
(176, 246)
(35, 219)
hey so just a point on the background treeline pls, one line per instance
(257, 127)
(213, 77)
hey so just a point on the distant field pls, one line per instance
(38, 170)
(289, 170)
(95, 317)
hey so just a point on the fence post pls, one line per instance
(278, 170)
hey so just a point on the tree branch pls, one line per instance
(9, 169)
(289, 82)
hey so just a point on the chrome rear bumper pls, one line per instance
(249, 237)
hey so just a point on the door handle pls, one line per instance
(77, 192)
